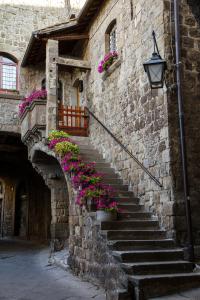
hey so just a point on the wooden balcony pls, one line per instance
(74, 120)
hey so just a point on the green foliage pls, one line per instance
(63, 148)
(57, 134)
(91, 179)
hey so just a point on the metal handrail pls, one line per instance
(125, 149)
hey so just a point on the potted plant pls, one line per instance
(106, 210)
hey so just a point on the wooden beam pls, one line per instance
(69, 37)
(75, 63)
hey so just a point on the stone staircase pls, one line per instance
(153, 263)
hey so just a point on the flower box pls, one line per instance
(108, 60)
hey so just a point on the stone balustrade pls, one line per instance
(33, 122)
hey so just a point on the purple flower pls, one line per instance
(40, 94)
(53, 143)
(107, 61)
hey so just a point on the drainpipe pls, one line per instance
(189, 246)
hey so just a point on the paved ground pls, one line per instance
(25, 274)
(190, 295)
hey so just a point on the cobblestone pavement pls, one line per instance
(25, 274)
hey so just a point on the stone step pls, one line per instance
(128, 200)
(85, 146)
(88, 157)
(105, 170)
(134, 215)
(149, 286)
(110, 180)
(107, 175)
(149, 255)
(154, 268)
(135, 234)
(120, 187)
(141, 244)
(127, 225)
(127, 207)
(86, 150)
(100, 164)
(124, 193)
(81, 141)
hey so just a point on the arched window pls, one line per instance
(111, 37)
(8, 73)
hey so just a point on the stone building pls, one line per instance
(64, 59)
(22, 211)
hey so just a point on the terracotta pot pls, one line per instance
(104, 216)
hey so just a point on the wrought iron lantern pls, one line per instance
(155, 67)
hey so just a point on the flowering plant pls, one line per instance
(110, 206)
(64, 147)
(39, 94)
(54, 142)
(57, 134)
(85, 180)
(100, 194)
(84, 175)
(107, 61)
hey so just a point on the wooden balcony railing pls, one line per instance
(74, 120)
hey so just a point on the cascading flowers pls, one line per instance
(36, 95)
(84, 177)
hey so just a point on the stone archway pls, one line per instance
(25, 199)
(49, 168)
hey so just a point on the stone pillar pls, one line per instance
(51, 84)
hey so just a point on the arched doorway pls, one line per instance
(33, 209)
(21, 211)
(25, 199)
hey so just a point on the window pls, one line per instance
(8, 73)
(111, 37)
(113, 40)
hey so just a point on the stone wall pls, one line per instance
(190, 53)
(9, 113)
(89, 254)
(19, 21)
(123, 101)
(147, 122)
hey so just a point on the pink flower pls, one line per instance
(40, 94)
(107, 61)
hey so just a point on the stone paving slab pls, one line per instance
(27, 274)
(187, 295)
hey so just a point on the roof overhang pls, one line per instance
(68, 34)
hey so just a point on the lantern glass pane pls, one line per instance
(156, 72)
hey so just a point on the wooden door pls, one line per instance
(1, 207)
